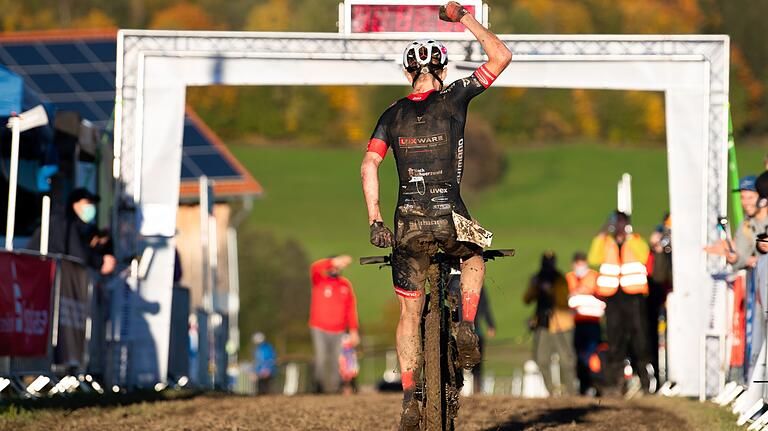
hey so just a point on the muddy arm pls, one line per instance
(499, 55)
(369, 172)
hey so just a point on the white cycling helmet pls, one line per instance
(425, 56)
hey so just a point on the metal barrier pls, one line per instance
(747, 393)
(45, 320)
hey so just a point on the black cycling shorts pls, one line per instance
(410, 257)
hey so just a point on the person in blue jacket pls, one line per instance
(264, 363)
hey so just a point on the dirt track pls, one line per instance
(362, 412)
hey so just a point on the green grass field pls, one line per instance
(550, 198)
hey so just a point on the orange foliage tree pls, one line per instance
(184, 16)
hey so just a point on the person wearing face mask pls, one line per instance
(74, 233)
(332, 313)
(621, 256)
(582, 285)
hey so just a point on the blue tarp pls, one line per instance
(17, 97)
(11, 92)
(36, 149)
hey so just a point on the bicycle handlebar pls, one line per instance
(371, 260)
(487, 255)
(493, 254)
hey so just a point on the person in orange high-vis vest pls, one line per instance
(582, 287)
(622, 282)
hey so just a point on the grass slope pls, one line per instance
(550, 198)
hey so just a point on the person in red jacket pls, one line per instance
(332, 313)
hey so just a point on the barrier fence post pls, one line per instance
(45, 222)
(56, 292)
(15, 125)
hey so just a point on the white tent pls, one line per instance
(155, 67)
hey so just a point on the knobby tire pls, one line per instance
(433, 391)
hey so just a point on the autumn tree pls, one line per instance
(184, 16)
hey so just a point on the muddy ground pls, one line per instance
(372, 412)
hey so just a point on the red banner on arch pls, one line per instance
(405, 18)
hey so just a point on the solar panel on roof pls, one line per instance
(93, 81)
(104, 51)
(25, 55)
(215, 165)
(79, 75)
(50, 83)
(66, 53)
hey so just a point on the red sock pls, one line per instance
(469, 303)
(407, 378)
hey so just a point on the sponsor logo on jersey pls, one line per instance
(438, 191)
(422, 223)
(483, 80)
(460, 158)
(421, 172)
(484, 76)
(442, 206)
(440, 199)
(420, 120)
(423, 141)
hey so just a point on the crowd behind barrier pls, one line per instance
(746, 390)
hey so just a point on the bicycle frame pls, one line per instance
(439, 386)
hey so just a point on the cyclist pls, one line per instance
(425, 131)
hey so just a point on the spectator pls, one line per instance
(742, 251)
(333, 311)
(623, 282)
(552, 325)
(264, 363)
(659, 284)
(74, 234)
(348, 365)
(759, 224)
(582, 285)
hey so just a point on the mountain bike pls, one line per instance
(442, 377)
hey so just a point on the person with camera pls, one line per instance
(742, 252)
(621, 256)
(552, 325)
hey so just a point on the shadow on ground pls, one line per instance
(548, 418)
(81, 400)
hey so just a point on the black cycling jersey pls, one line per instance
(426, 134)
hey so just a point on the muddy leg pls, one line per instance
(472, 275)
(409, 339)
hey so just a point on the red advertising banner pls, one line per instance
(738, 329)
(25, 304)
(368, 18)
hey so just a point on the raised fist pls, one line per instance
(452, 12)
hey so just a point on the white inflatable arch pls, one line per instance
(155, 67)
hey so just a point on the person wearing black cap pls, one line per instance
(74, 234)
(621, 256)
(742, 252)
